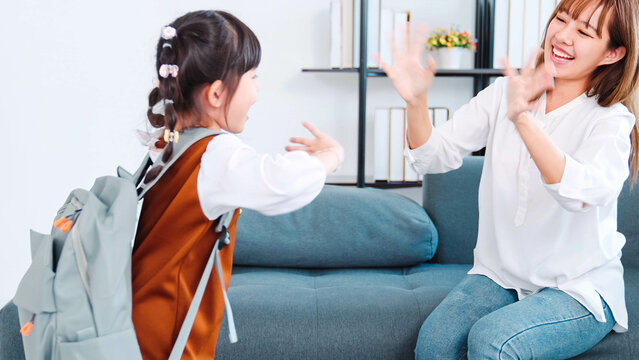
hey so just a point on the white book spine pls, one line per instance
(397, 137)
(400, 19)
(347, 33)
(516, 53)
(357, 16)
(440, 116)
(381, 144)
(336, 34)
(500, 40)
(546, 9)
(372, 41)
(385, 31)
(531, 28)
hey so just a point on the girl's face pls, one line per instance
(244, 97)
(573, 46)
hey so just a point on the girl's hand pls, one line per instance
(410, 78)
(526, 87)
(323, 147)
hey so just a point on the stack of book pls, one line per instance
(519, 28)
(345, 32)
(390, 141)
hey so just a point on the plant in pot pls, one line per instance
(448, 46)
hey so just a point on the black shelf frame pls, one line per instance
(481, 74)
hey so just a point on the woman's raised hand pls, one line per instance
(410, 78)
(526, 87)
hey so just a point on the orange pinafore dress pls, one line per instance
(172, 245)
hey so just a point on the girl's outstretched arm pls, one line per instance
(323, 147)
(412, 81)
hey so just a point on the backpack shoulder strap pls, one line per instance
(187, 138)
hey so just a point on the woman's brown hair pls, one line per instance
(617, 82)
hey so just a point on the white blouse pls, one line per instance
(533, 235)
(232, 174)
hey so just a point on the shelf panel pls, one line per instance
(444, 72)
(383, 184)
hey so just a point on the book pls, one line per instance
(531, 28)
(347, 34)
(545, 10)
(336, 34)
(400, 20)
(516, 51)
(381, 144)
(372, 41)
(385, 30)
(357, 18)
(397, 143)
(500, 39)
(440, 115)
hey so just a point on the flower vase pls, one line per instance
(449, 58)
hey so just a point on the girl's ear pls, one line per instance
(215, 94)
(614, 55)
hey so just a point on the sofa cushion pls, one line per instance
(332, 314)
(343, 227)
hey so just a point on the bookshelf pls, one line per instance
(481, 74)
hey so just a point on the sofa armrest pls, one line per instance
(451, 202)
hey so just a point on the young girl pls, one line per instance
(547, 280)
(206, 61)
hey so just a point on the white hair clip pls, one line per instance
(168, 32)
(167, 69)
(158, 108)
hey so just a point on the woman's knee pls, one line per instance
(438, 340)
(488, 340)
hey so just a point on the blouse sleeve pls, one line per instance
(232, 174)
(595, 173)
(465, 132)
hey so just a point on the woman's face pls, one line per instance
(573, 46)
(244, 97)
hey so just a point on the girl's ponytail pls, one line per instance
(162, 99)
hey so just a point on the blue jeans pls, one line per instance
(482, 320)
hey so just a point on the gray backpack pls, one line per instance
(74, 302)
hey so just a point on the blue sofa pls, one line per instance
(354, 274)
(351, 275)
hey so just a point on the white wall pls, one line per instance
(74, 79)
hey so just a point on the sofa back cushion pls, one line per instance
(344, 227)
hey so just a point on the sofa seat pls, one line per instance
(340, 313)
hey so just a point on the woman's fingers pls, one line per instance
(508, 70)
(431, 64)
(532, 59)
(419, 39)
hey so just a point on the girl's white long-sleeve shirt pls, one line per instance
(534, 235)
(233, 174)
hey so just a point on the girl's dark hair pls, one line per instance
(209, 46)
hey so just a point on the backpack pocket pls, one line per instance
(35, 300)
(35, 292)
(120, 345)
